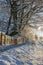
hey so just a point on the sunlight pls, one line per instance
(39, 28)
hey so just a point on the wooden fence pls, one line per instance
(5, 39)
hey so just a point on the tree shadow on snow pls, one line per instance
(5, 48)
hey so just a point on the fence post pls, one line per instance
(0, 38)
(3, 38)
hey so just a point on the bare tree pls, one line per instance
(22, 12)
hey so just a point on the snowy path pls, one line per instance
(24, 54)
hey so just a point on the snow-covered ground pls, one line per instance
(22, 54)
(37, 32)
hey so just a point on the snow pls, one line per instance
(37, 32)
(22, 54)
